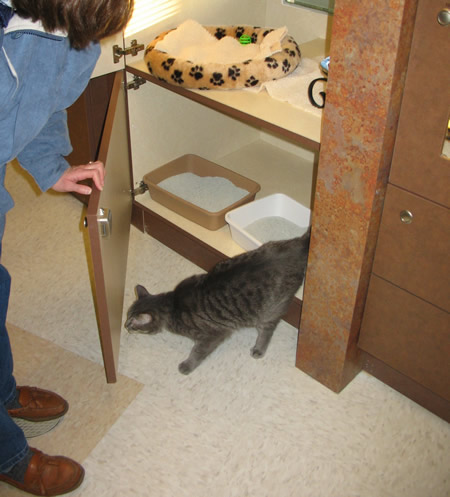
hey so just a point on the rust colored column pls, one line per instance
(369, 55)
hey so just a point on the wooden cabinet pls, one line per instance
(413, 246)
(149, 123)
(406, 324)
(409, 334)
(265, 140)
(278, 147)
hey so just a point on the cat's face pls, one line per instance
(142, 316)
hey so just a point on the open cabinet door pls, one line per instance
(108, 221)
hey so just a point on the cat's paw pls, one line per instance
(185, 367)
(256, 353)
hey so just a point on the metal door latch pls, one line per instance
(132, 50)
(104, 220)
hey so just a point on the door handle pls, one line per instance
(443, 18)
(406, 217)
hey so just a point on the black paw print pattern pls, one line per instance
(254, 37)
(167, 64)
(149, 66)
(217, 79)
(234, 72)
(220, 33)
(267, 32)
(286, 66)
(196, 72)
(177, 76)
(271, 62)
(289, 52)
(251, 81)
(239, 31)
(294, 48)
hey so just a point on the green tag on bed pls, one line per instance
(245, 40)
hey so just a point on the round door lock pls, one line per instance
(443, 17)
(406, 217)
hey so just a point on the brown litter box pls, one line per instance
(191, 163)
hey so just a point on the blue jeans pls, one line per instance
(13, 444)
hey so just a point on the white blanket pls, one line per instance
(191, 41)
(294, 87)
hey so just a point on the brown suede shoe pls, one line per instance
(39, 405)
(49, 475)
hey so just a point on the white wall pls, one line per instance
(220, 12)
(303, 24)
(208, 12)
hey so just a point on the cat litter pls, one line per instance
(199, 190)
(275, 217)
(274, 228)
(210, 193)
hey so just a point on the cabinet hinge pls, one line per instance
(136, 83)
(140, 189)
(132, 50)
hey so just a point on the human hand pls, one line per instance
(68, 182)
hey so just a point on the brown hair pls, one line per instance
(83, 20)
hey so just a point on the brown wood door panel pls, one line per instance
(109, 254)
(409, 334)
(418, 164)
(415, 256)
(86, 118)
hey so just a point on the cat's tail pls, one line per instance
(303, 241)
(307, 235)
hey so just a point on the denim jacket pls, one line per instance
(40, 76)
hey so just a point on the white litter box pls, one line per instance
(276, 217)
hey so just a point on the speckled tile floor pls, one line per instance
(236, 427)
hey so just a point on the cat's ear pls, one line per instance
(141, 291)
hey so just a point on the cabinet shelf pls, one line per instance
(293, 176)
(258, 109)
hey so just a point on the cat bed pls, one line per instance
(215, 74)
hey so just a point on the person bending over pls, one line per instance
(48, 50)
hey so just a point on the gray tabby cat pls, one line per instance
(253, 289)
